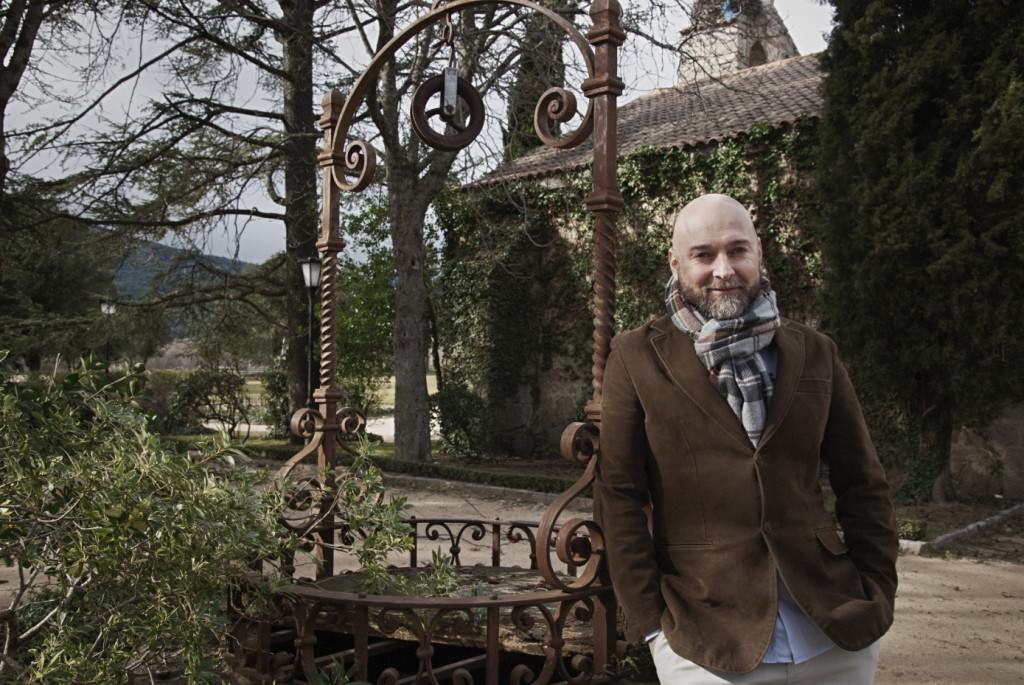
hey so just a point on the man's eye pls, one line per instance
(738, 251)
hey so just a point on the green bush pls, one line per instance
(275, 412)
(211, 395)
(157, 400)
(124, 550)
(459, 413)
(912, 529)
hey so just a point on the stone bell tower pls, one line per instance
(726, 36)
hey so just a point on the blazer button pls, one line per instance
(767, 527)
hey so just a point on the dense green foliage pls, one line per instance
(364, 324)
(52, 277)
(922, 194)
(275, 414)
(124, 550)
(366, 308)
(517, 272)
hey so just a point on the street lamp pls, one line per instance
(107, 308)
(311, 276)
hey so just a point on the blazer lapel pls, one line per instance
(789, 344)
(674, 351)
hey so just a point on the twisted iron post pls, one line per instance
(605, 200)
(328, 394)
(605, 203)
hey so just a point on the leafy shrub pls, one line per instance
(912, 529)
(381, 529)
(459, 413)
(275, 394)
(211, 395)
(124, 551)
(157, 400)
(361, 392)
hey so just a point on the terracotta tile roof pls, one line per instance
(776, 93)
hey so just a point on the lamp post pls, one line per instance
(107, 309)
(311, 276)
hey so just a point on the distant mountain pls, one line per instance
(153, 265)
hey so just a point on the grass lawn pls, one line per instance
(386, 395)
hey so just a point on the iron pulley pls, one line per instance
(461, 111)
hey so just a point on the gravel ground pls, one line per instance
(959, 619)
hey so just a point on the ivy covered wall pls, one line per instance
(514, 294)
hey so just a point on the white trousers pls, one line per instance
(834, 667)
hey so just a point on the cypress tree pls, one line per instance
(922, 182)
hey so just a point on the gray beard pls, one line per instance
(718, 307)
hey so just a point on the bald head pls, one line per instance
(712, 211)
(716, 256)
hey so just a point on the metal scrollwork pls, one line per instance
(434, 529)
(391, 619)
(350, 421)
(554, 661)
(359, 160)
(390, 676)
(522, 675)
(580, 444)
(477, 533)
(305, 422)
(524, 622)
(462, 677)
(559, 105)
(517, 532)
(304, 505)
(432, 532)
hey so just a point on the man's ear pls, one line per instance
(673, 264)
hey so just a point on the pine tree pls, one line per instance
(923, 206)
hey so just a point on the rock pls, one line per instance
(989, 462)
(1006, 435)
(976, 469)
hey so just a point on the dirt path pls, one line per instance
(958, 620)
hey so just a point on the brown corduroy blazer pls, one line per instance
(727, 518)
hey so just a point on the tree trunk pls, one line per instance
(300, 185)
(412, 314)
(928, 477)
(20, 23)
(5, 165)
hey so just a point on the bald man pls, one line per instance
(722, 416)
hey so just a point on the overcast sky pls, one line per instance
(807, 20)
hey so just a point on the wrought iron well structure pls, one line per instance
(564, 618)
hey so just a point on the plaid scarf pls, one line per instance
(728, 349)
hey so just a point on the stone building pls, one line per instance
(738, 68)
(727, 37)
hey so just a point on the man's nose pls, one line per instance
(722, 268)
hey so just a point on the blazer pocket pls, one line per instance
(818, 386)
(830, 540)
